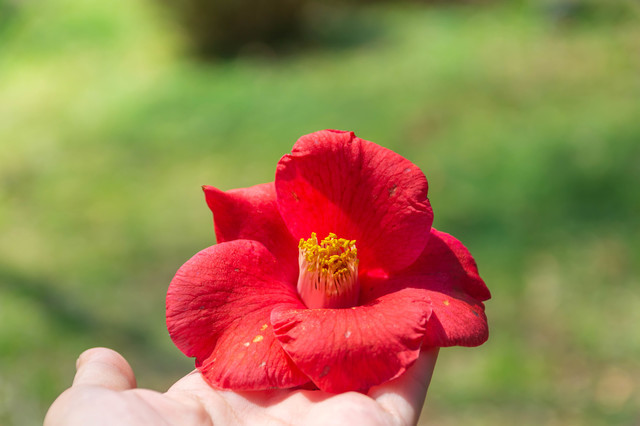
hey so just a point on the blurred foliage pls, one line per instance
(589, 11)
(525, 124)
(8, 11)
(227, 27)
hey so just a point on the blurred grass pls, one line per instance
(524, 120)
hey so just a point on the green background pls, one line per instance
(526, 123)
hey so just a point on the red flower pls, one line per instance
(273, 306)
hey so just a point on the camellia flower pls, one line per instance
(331, 276)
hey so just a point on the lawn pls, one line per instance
(526, 123)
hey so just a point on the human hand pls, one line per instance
(104, 392)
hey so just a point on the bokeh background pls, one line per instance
(524, 115)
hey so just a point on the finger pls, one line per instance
(193, 380)
(404, 396)
(104, 367)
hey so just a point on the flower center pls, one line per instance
(328, 272)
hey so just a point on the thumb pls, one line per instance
(105, 368)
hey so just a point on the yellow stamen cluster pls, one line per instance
(332, 255)
(328, 271)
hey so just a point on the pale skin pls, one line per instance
(104, 392)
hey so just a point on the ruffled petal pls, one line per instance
(218, 310)
(353, 349)
(335, 182)
(252, 214)
(449, 273)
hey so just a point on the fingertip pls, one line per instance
(404, 396)
(104, 367)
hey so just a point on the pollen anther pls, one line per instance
(328, 272)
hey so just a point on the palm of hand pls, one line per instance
(104, 393)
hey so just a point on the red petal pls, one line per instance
(218, 310)
(335, 182)
(252, 214)
(353, 349)
(450, 275)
